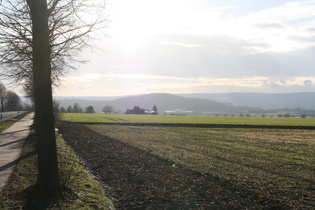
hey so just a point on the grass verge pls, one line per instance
(85, 193)
(6, 124)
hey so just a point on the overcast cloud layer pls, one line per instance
(187, 46)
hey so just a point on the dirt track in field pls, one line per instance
(137, 179)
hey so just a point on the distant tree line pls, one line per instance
(135, 110)
(76, 108)
(138, 110)
(107, 109)
(286, 115)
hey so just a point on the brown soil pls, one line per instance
(137, 179)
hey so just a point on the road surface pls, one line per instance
(11, 143)
(9, 115)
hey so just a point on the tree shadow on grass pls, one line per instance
(24, 174)
(36, 200)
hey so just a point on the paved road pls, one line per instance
(11, 143)
(9, 115)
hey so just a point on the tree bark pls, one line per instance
(48, 180)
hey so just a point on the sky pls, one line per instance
(199, 46)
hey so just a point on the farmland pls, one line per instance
(123, 118)
(252, 167)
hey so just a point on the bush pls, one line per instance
(69, 167)
(57, 116)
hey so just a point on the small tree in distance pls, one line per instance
(62, 110)
(108, 109)
(69, 109)
(154, 110)
(77, 108)
(89, 109)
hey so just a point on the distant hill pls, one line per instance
(304, 100)
(200, 104)
(164, 102)
(169, 102)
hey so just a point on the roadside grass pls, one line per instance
(278, 163)
(6, 124)
(84, 192)
(126, 118)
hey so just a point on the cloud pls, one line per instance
(207, 50)
(268, 28)
(178, 44)
(82, 78)
(287, 12)
(120, 84)
(220, 8)
(310, 30)
(308, 83)
(189, 55)
(274, 27)
(269, 25)
(271, 84)
(293, 4)
(157, 84)
(297, 83)
(309, 40)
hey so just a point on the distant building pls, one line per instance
(179, 112)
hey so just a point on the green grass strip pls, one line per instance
(85, 193)
(126, 118)
(6, 124)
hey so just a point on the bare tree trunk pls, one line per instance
(48, 180)
(2, 96)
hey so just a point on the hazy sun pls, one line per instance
(133, 22)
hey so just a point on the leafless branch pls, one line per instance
(71, 23)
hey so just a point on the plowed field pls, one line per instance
(152, 168)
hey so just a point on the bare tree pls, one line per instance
(48, 180)
(71, 24)
(108, 109)
(57, 116)
(39, 41)
(13, 101)
(9, 100)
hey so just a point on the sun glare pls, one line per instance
(134, 22)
